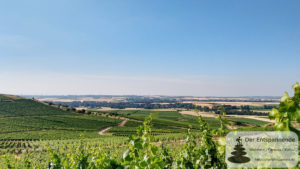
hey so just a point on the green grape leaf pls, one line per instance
(279, 126)
(296, 85)
(285, 97)
(225, 121)
(222, 141)
(143, 164)
(154, 149)
(297, 115)
(274, 113)
(126, 155)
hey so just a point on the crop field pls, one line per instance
(26, 107)
(38, 134)
(46, 126)
(249, 121)
(170, 122)
(29, 119)
(67, 122)
(162, 119)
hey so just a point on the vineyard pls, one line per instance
(37, 135)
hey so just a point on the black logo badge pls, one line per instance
(239, 153)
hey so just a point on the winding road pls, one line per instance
(121, 124)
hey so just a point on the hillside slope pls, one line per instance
(22, 118)
(12, 106)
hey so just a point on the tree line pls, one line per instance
(229, 109)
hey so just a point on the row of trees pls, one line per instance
(242, 110)
(123, 105)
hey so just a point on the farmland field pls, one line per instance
(30, 119)
(35, 130)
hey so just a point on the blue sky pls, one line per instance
(171, 47)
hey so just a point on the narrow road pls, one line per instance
(204, 114)
(121, 124)
(252, 117)
(101, 132)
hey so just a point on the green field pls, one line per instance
(249, 121)
(169, 121)
(25, 107)
(35, 130)
(29, 119)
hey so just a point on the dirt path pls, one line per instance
(296, 125)
(252, 117)
(230, 127)
(205, 114)
(121, 124)
(101, 132)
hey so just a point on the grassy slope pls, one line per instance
(29, 119)
(26, 107)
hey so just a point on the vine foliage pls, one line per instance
(288, 110)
